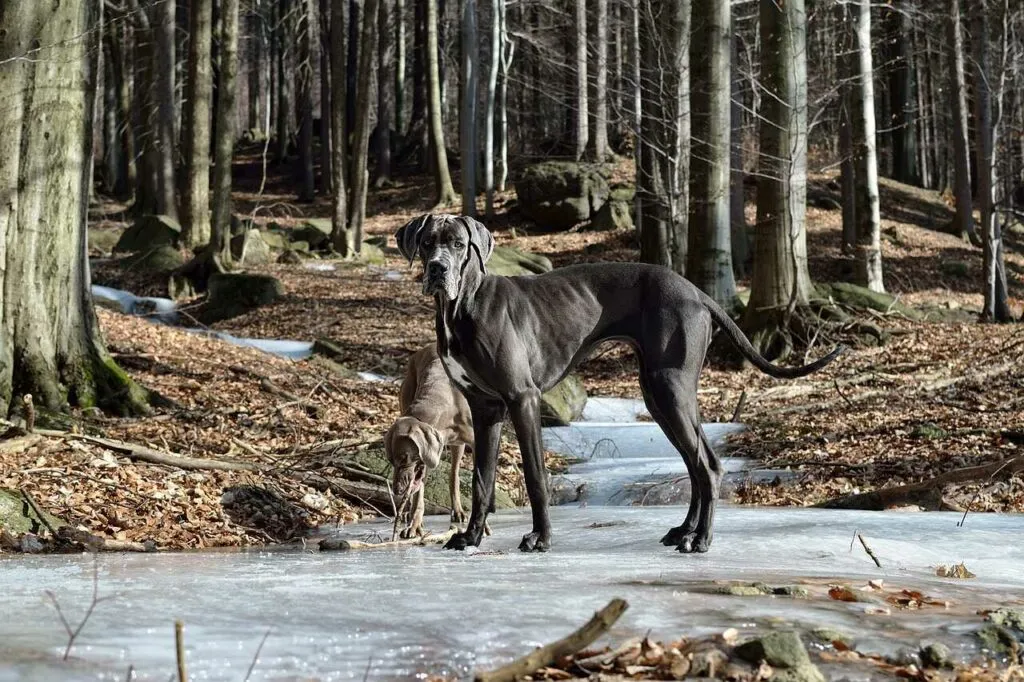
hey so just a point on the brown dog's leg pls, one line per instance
(454, 488)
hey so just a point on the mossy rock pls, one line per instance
(828, 636)
(250, 249)
(614, 215)
(435, 487)
(929, 431)
(148, 232)
(856, 296)
(235, 293)
(510, 261)
(783, 650)
(1000, 639)
(564, 403)
(17, 517)
(161, 260)
(557, 195)
(316, 232)
(103, 240)
(370, 254)
(275, 239)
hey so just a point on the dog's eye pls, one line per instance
(459, 244)
(428, 243)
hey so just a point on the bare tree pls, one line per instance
(468, 149)
(902, 101)
(399, 64)
(361, 136)
(963, 222)
(195, 229)
(507, 50)
(582, 122)
(442, 177)
(304, 96)
(385, 55)
(601, 83)
(50, 343)
(710, 231)
(343, 238)
(868, 220)
(491, 103)
(224, 145)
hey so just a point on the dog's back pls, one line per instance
(428, 395)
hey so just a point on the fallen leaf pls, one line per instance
(842, 593)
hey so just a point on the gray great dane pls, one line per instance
(505, 340)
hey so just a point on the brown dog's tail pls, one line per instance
(741, 342)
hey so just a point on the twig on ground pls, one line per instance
(256, 656)
(179, 650)
(739, 406)
(835, 382)
(607, 657)
(550, 653)
(868, 550)
(96, 599)
(149, 455)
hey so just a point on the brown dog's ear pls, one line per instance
(430, 442)
(480, 240)
(409, 236)
(389, 442)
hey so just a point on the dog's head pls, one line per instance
(413, 448)
(452, 248)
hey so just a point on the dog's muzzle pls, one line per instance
(440, 277)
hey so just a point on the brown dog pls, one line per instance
(434, 415)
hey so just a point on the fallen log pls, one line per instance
(335, 544)
(914, 493)
(142, 453)
(549, 654)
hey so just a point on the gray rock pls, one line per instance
(559, 194)
(16, 517)
(289, 257)
(103, 240)
(564, 403)
(999, 639)
(250, 248)
(161, 260)
(935, 655)
(316, 232)
(275, 239)
(614, 215)
(779, 649)
(148, 232)
(236, 293)
(828, 636)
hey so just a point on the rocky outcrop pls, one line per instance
(557, 195)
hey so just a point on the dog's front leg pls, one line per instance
(487, 418)
(526, 419)
(415, 527)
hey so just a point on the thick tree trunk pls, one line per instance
(419, 129)
(50, 342)
(143, 117)
(491, 104)
(507, 49)
(868, 271)
(654, 175)
(677, 91)
(385, 76)
(355, 13)
(399, 66)
(343, 239)
(115, 154)
(582, 133)
(468, 150)
(901, 97)
(284, 38)
(304, 78)
(257, 57)
(601, 83)
(195, 226)
(963, 222)
(996, 308)
(224, 145)
(442, 178)
(710, 253)
(780, 280)
(361, 135)
(326, 142)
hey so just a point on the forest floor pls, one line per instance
(943, 393)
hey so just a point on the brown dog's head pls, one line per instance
(413, 448)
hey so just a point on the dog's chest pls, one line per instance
(447, 350)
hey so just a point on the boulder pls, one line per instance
(564, 403)
(241, 225)
(103, 240)
(232, 294)
(784, 652)
(148, 232)
(614, 215)
(250, 248)
(16, 517)
(509, 261)
(371, 254)
(275, 239)
(161, 260)
(559, 194)
(316, 232)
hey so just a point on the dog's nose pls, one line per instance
(435, 269)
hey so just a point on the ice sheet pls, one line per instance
(399, 612)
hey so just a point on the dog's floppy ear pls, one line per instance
(430, 443)
(480, 240)
(410, 235)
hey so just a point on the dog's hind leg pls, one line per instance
(672, 401)
(458, 513)
(487, 418)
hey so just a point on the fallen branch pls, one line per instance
(885, 498)
(38, 512)
(334, 544)
(267, 384)
(868, 550)
(179, 650)
(141, 453)
(549, 654)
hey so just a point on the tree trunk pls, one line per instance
(50, 343)
(195, 226)
(901, 97)
(284, 37)
(224, 145)
(582, 116)
(710, 252)
(442, 178)
(491, 105)
(868, 271)
(343, 239)
(963, 222)
(601, 84)
(419, 129)
(143, 117)
(468, 150)
(257, 57)
(304, 80)
(384, 78)
(739, 239)
(361, 135)
(399, 65)
(355, 10)
(115, 119)
(677, 91)
(506, 49)
(780, 280)
(326, 143)
(996, 308)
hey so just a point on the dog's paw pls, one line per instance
(693, 543)
(534, 542)
(411, 532)
(675, 535)
(458, 516)
(459, 541)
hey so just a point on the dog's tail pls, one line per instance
(741, 342)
